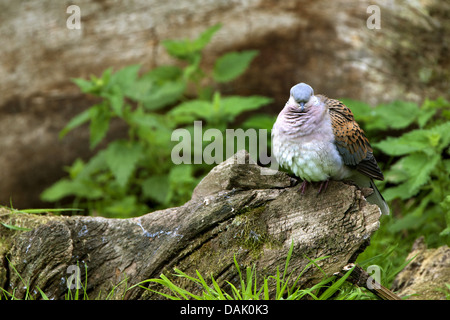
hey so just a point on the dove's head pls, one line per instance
(301, 94)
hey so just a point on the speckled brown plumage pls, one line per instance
(350, 139)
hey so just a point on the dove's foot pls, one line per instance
(323, 186)
(303, 187)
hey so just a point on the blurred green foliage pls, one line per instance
(133, 176)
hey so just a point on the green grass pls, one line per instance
(249, 288)
(31, 211)
(388, 251)
(30, 293)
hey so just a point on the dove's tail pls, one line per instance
(375, 198)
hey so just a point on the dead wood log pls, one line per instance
(361, 278)
(234, 211)
(427, 275)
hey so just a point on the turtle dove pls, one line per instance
(318, 139)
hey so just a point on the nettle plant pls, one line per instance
(417, 171)
(135, 175)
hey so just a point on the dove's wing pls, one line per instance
(350, 140)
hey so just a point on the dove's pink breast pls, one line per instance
(310, 154)
(311, 160)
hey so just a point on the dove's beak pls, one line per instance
(302, 106)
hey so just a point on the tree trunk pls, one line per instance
(235, 211)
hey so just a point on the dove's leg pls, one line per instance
(323, 186)
(303, 186)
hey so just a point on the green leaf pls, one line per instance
(440, 135)
(445, 204)
(75, 122)
(187, 49)
(158, 88)
(126, 206)
(15, 228)
(205, 37)
(408, 222)
(425, 116)
(153, 128)
(232, 65)
(122, 158)
(430, 141)
(147, 120)
(125, 78)
(431, 107)
(445, 232)
(418, 168)
(401, 192)
(260, 121)
(156, 188)
(235, 105)
(58, 190)
(162, 74)
(178, 48)
(193, 72)
(398, 114)
(416, 140)
(85, 86)
(141, 89)
(152, 81)
(95, 85)
(96, 164)
(100, 116)
(181, 182)
(65, 187)
(106, 77)
(75, 169)
(166, 94)
(181, 174)
(362, 111)
(187, 112)
(396, 175)
(115, 98)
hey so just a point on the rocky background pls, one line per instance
(324, 43)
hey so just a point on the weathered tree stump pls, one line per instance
(234, 211)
